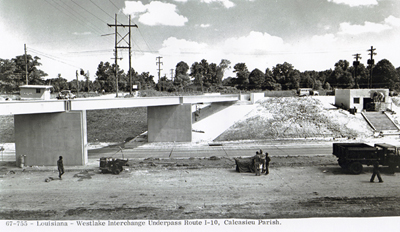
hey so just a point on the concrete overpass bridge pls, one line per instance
(45, 130)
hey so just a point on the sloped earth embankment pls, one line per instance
(294, 117)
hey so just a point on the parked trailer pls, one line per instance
(352, 156)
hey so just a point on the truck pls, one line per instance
(352, 156)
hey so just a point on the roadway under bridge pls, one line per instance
(45, 130)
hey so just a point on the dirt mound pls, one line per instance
(294, 117)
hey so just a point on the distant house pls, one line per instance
(33, 92)
(363, 99)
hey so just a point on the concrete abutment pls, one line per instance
(42, 138)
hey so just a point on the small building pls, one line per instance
(35, 92)
(362, 99)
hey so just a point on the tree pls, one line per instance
(165, 84)
(360, 76)
(384, 75)
(269, 81)
(327, 86)
(283, 74)
(341, 77)
(8, 80)
(256, 79)
(242, 75)
(181, 79)
(293, 80)
(35, 75)
(146, 80)
(307, 81)
(58, 83)
(106, 76)
(199, 72)
(223, 65)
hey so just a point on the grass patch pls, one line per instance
(116, 125)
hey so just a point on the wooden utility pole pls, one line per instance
(356, 64)
(159, 63)
(26, 65)
(87, 80)
(130, 58)
(371, 62)
(122, 47)
(77, 84)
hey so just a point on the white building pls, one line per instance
(363, 99)
(30, 92)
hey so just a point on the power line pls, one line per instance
(114, 4)
(74, 17)
(88, 12)
(101, 9)
(51, 57)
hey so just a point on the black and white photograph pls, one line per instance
(221, 115)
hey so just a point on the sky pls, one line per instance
(70, 35)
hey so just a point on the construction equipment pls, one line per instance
(352, 156)
(111, 165)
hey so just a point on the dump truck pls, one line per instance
(352, 156)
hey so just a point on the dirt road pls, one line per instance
(297, 187)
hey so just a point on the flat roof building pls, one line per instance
(41, 92)
(363, 99)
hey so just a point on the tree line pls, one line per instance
(204, 76)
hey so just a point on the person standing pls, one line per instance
(257, 162)
(375, 172)
(60, 166)
(267, 160)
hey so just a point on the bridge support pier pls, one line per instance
(169, 123)
(42, 138)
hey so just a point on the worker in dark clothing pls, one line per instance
(257, 164)
(60, 166)
(267, 160)
(376, 172)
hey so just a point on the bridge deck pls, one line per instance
(55, 106)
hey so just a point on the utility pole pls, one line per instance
(77, 84)
(371, 62)
(172, 75)
(356, 64)
(159, 63)
(26, 65)
(130, 58)
(87, 80)
(122, 47)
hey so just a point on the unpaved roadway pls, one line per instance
(193, 188)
